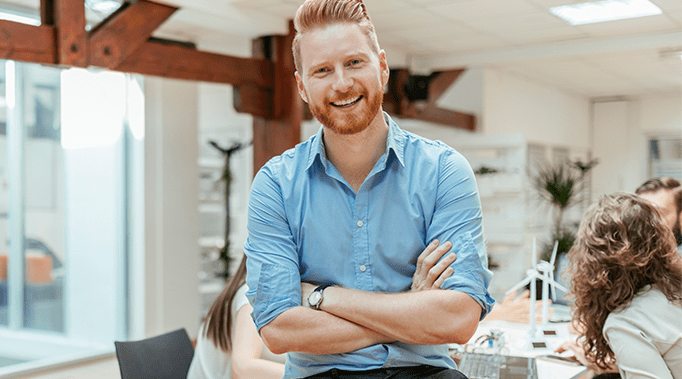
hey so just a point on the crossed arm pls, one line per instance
(351, 319)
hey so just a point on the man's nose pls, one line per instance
(342, 81)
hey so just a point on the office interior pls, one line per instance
(117, 193)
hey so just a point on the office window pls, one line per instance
(665, 156)
(64, 219)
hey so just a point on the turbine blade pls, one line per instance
(554, 251)
(520, 284)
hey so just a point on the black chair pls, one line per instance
(167, 356)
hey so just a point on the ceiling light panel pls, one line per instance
(606, 10)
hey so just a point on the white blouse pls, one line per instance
(646, 336)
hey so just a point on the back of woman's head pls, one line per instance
(622, 246)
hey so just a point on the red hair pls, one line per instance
(314, 14)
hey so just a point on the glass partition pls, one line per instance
(64, 190)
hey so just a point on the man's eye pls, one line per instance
(322, 70)
(355, 62)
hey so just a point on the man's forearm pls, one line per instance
(425, 318)
(306, 330)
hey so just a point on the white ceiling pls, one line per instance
(519, 37)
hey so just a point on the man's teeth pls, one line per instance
(346, 102)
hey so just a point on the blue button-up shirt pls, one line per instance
(306, 223)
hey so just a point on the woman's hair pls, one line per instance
(622, 246)
(218, 325)
(315, 14)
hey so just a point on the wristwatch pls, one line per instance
(315, 298)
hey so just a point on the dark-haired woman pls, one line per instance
(627, 283)
(229, 325)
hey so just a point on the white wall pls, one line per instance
(621, 131)
(545, 115)
(661, 114)
(171, 284)
(619, 148)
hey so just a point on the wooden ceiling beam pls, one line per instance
(443, 116)
(30, 43)
(173, 61)
(113, 40)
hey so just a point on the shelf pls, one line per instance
(211, 208)
(217, 163)
(215, 242)
(212, 287)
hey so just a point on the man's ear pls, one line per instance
(301, 87)
(383, 64)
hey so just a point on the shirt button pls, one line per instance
(363, 268)
(359, 223)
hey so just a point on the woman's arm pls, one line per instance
(246, 350)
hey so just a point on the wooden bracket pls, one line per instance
(396, 100)
(127, 29)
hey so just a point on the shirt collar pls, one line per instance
(395, 142)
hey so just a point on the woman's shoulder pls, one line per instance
(240, 299)
(649, 308)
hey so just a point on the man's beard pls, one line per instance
(352, 122)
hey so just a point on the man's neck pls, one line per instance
(354, 155)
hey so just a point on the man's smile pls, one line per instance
(346, 103)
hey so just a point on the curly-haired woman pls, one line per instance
(627, 283)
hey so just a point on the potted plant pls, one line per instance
(562, 187)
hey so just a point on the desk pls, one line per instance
(516, 343)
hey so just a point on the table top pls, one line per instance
(517, 341)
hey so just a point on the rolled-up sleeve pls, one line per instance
(272, 260)
(458, 218)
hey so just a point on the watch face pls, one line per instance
(314, 298)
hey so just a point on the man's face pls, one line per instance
(342, 77)
(665, 202)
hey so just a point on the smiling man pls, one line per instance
(337, 224)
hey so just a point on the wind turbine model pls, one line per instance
(547, 269)
(547, 277)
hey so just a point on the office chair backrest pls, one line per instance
(167, 356)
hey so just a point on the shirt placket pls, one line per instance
(361, 257)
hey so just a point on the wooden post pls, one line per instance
(72, 39)
(275, 134)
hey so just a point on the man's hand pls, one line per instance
(431, 273)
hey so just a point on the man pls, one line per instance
(336, 224)
(666, 194)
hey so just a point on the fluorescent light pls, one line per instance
(18, 18)
(606, 10)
